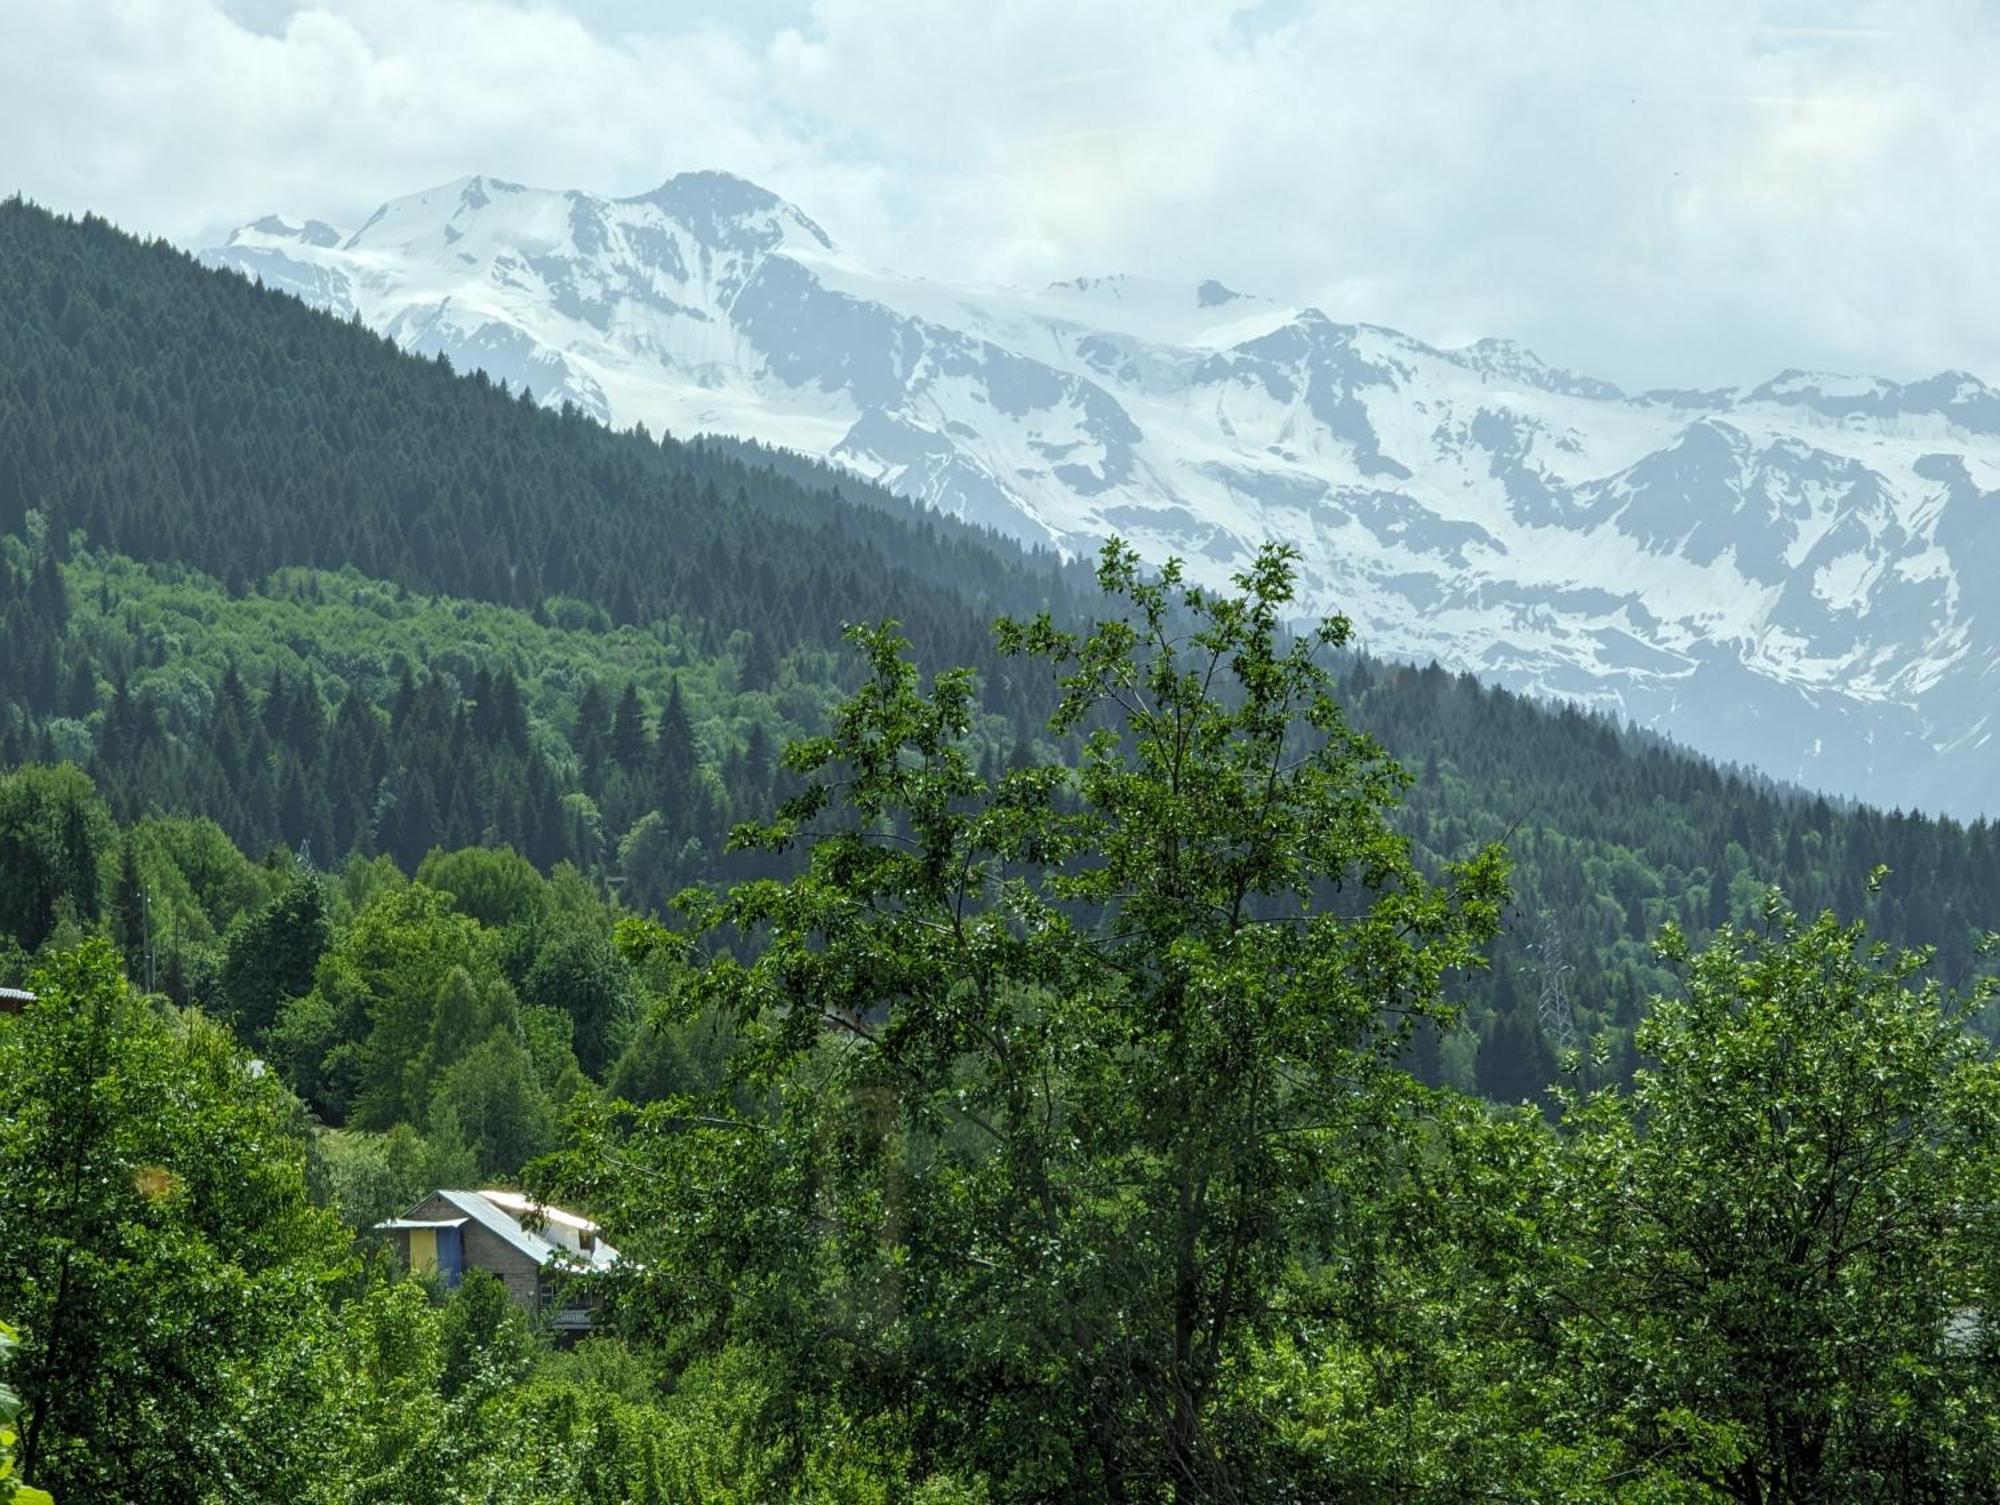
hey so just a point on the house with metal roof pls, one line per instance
(14, 1000)
(531, 1247)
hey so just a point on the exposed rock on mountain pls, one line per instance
(1784, 575)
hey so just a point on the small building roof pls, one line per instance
(520, 1206)
(500, 1213)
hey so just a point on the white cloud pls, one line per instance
(1688, 193)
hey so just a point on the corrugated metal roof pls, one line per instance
(495, 1221)
(391, 1225)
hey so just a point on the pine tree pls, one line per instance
(760, 666)
(81, 697)
(131, 919)
(628, 731)
(674, 750)
(593, 730)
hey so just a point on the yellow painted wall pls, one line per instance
(423, 1250)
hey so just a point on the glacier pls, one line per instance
(1784, 576)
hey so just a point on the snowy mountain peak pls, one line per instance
(1509, 360)
(1787, 575)
(433, 213)
(1821, 385)
(1957, 398)
(723, 207)
(278, 228)
(1122, 288)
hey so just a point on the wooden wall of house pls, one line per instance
(486, 1250)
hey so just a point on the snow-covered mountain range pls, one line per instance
(1787, 575)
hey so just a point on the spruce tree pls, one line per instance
(628, 731)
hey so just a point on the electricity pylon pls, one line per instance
(1558, 1022)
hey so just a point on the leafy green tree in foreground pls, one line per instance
(1786, 1278)
(16, 1493)
(1065, 1069)
(159, 1250)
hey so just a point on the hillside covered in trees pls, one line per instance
(260, 567)
(1062, 1058)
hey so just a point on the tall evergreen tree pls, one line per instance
(627, 740)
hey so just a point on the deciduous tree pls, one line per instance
(1058, 1065)
(1788, 1269)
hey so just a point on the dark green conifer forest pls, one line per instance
(1037, 1033)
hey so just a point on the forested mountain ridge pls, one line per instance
(387, 608)
(170, 414)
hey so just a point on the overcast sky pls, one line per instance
(1693, 193)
